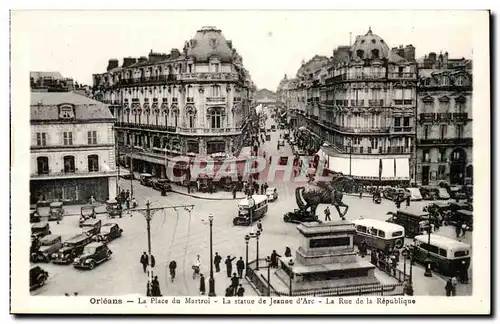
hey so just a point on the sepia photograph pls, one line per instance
(238, 159)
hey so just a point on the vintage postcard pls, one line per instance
(272, 162)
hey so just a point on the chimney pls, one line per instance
(174, 53)
(432, 57)
(445, 59)
(142, 59)
(128, 61)
(113, 63)
(400, 51)
(155, 57)
(409, 53)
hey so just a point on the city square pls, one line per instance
(378, 199)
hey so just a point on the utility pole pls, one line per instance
(147, 213)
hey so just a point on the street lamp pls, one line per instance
(268, 259)
(257, 237)
(428, 270)
(247, 240)
(211, 280)
(251, 205)
(349, 141)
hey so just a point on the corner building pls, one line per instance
(362, 103)
(189, 103)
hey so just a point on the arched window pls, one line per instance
(191, 120)
(42, 165)
(69, 164)
(360, 53)
(375, 53)
(216, 147)
(93, 163)
(156, 142)
(175, 115)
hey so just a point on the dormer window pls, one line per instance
(375, 53)
(374, 41)
(359, 53)
(213, 42)
(444, 80)
(66, 111)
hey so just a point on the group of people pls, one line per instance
(462, 277)
(387, 261)
(253, 187)
(125, 198)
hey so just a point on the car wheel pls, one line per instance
(108, 256)
(92, 265)
(286, 218)
(41, 280)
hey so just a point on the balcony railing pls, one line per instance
(171, 129)
(402, 129)
(75, 173)
(208, 130)
(216, 100)
(205, 76)
(151, 80)
(405, 102)
(402, 75)
(446, 141)
(430, 117)
(376, 103)
(355, 76)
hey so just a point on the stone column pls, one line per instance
(112, 187)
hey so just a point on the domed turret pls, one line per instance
(209, 42)
(369, 46)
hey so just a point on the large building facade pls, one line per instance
(189, 103)
(361, 103)
(72, 148)
(444, 128)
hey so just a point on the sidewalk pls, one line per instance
(219, 195)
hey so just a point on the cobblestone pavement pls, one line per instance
(181, 236)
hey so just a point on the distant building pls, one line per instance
(444, 128)
(265, 97)
(186, 103)
(50, 82)
(72, 148)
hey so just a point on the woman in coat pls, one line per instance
(202, 284)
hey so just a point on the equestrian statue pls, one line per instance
(321, 192)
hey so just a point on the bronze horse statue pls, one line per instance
(318, 192)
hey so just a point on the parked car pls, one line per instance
(272, 194)
(414, 194)
(109, 232)
(146, 179)
(92, 255)
(34, 217)
(43, 209)
(457, 192)
(56, 210)
(38, 276)
(87, 212)
(273, 128)
(49, 244)
(281, 143)
(114, 208)
(91, 227)
(40, 229)
(443, 193)
(71, 248)
(428, 193)
(162, 184)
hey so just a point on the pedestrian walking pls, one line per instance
(235, 281)
(155, 287)
(144, 261)
(229, 265)
(449, 288)
(274, 259)
(189, 188)
(463, 273)
(327, 214)
(127, 194)
(241, 291)
(128, 203)
(234, 192)
(134, 202)
(363, 249)
(229, 291)
(196, 267)
(172, 266)
(240, 266)
(217, 260)
(288, 252)
(202, 284)
(458, 229)
(259, 226)
(408, 201)
(464, 229)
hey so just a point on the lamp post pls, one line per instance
(247, 240)
(251, 205)
(211, 280)
(268, 259)
(428, 271)
(257, 238)
(350, 156)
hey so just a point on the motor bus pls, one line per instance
(445, 254)
(249, 212)
(379, 234)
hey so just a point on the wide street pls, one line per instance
(181, 235)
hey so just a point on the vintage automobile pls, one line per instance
(40, 229)
(391, 193)
(281, 143)
(48, 245)
(268, 130)
(299, 216)
(428, 193)
(92, 255)
(146, 179)
(87, 212)
(457, 192)
(414, 194)
(38, 276)
(272, 194)
(250, 210)
(34, 217)
(108, 232)
(204, 182)
(273, 128)
(162, 184)
(443, 193)
(71, 248)
(414, 224)
(268, 137)
(91, 227)
(379, 234)
(283, 160)
(43, 209)
(113, 208)
(56, 210)
(262, 130)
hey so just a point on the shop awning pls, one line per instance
(368, 168)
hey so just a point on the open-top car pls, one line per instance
(109, 232)
(48, 245)
(114, 208)
(71, 248)
(56, 210)
(92, 255)
(38, 276)
(40, 229)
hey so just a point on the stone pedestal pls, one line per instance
(326, 259)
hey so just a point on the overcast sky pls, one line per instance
(272, 43)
